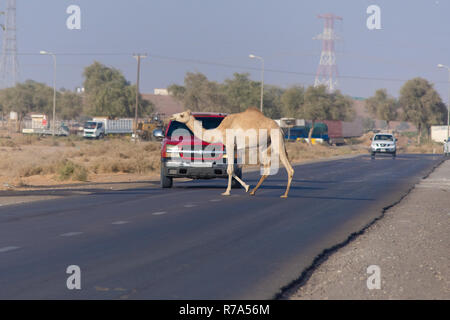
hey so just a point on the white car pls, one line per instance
(383, 143)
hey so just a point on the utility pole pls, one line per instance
(8, 61)
(448, 104)
(138, 57)
(252, 56)
(54, 88)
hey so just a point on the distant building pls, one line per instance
(164, 103)
(161, 92)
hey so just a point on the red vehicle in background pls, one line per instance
(185, 156)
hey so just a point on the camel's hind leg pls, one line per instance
(265, 159)
(261, 180)
(230, 171)
(284, 159)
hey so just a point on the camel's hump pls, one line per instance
(253, 109)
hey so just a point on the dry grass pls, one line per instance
(61, 159)
(299, 151)
(31, 160)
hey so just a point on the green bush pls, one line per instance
(69, 170)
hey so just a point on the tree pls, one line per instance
(232, 96)
(108, 93)
(177, 91)
(199, 94)
(382, 106)
(292, 102)
(272, 101)
(241, 92)
(421, 105)
(70, 105)
(368, 124)
(321, 105)
(30, 96)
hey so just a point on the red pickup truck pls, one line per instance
(185, 156)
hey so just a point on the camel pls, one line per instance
(250, 119)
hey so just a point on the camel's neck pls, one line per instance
(210, 135)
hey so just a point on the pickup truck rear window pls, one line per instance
(207, 123)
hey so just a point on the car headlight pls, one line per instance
(172, 150)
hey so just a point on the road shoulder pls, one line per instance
(409, 247)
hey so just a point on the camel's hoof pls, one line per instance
(247, 188)
(225, 193)
(283, 196)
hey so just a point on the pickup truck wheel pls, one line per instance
(166, 182)
(234, 183)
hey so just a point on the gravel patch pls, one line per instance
(410, 245)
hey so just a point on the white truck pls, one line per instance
(98, 128)
(439, 133)
(40, 125)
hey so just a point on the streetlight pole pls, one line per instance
(138, 57)
(252, 56)
(448, 105)
(54, 88)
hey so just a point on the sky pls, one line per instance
(215, 37)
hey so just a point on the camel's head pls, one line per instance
(182, 117)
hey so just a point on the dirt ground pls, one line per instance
(410, 246)
(29, 161)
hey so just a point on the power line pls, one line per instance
(224, 65)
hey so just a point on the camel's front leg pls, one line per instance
(230, 170)
(246, 186)
(231, 175)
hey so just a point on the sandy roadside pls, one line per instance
(410, 247)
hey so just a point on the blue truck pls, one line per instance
(300, 133)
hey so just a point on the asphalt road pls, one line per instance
(190, 242)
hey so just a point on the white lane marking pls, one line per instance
(6, 249)
(70, 234)
(120, 222)
(159, 213)
(189, 205)
(215, 200)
